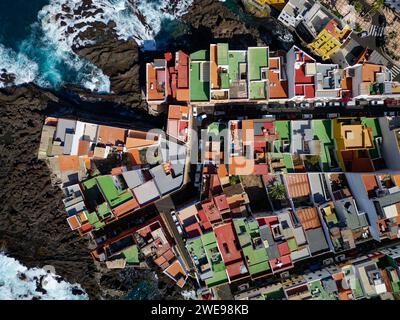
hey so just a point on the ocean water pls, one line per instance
(37, 36)
(36, 46)
(20, 283)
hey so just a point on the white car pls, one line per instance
(377, 103)
(333, 115)
(319, 104)
(390, 114)
(194, 110)
(362, 102)
(304, 105)
(307, 116)
(202, 116)
(179, 228)
(334, 104)
(268, 116)
(351, 103)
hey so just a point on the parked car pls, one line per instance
(202, 116)
(334, 104)
(390, 114)
(350, 103)
(268, 116)
(305, 105)
(307, 116)
(197, 179)
(179, 228)
(363, 34)
(333, 115)
(319, 104)
(194, 109)
(377, 103)
(362, 102)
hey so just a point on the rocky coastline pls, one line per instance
(32, 217)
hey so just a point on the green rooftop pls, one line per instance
(103, 210)
(195, 248)
(323, 132)
(224, 80)
(258, 90)
(222, 54)
(323, 294)
(258, 58)
(214, 257)
(275, 295)
(292, 244)
(93, 219)
(131, 255)
(283, 128)
(114, 196)
(215, 128)
(199, 81)
(235, 59)
(201, 55)
(288, 162)
(256, 255)
(358, 291)
(395, 286)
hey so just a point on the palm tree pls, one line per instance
(277, 191)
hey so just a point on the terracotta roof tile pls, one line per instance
(111, 135)
(68, 163)
(298, 185)
(309, 218)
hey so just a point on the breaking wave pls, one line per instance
(47, 52)
(20, 283)
(19, 65)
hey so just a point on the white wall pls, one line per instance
(364, 204)
(390, 150)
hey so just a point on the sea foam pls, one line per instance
(18, 64)
(47, 53)
(20, 283)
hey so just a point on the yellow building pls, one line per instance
(353, 141)
(277, 4)
(329, 40)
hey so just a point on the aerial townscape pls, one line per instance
(298, 208)
(270, 172)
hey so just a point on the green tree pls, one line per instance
(377, 6)
(277, 191)
(358, 6)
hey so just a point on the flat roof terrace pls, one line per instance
(200, 76)
(156, 82)
(227, 242)
(214, 257)
(113, 196)
(258, 59)
(256, 256)
(235, 60)
(373, 124)
(323, 131)
(278, 89)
